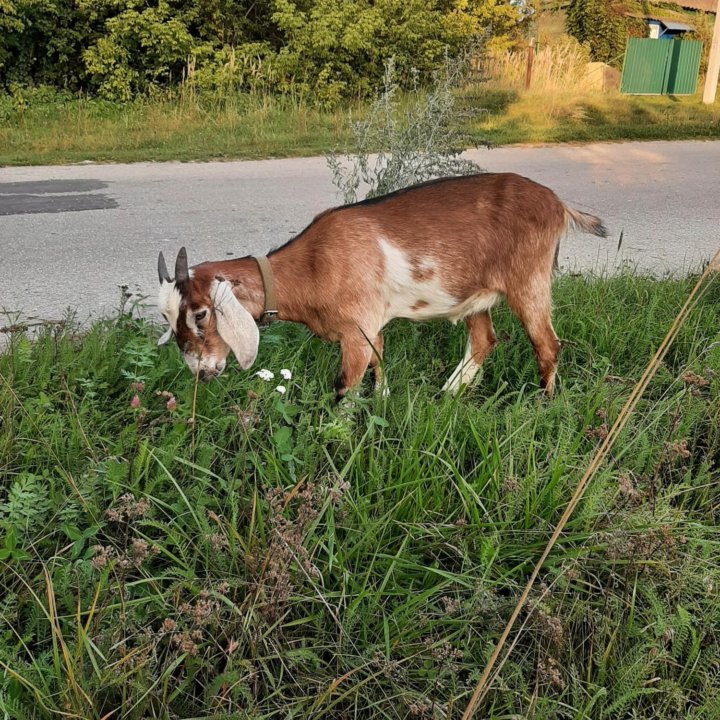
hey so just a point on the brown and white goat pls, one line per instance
(448, 248)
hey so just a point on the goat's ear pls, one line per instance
(163, 273)
(236, 325)
(165, 336)
(182, 271)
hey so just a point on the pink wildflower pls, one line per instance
(171, 403)
(135, 402)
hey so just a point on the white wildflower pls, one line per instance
(286, 373)
(265, 375)
(281, 389)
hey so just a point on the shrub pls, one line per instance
(141, 48)
(325, 49)
(406, 139)
(248, 68)
(600, 25)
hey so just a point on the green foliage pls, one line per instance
(602, 27)
(10, 22)
(140, 48)
(27, 503)
(241, 553)
(41, 41)
(321, 49)
(335, 49)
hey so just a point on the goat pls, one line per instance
(447, 248)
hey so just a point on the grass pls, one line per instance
(67, 130)
(247, 554)
(54, 129)
(566, 103)
(564, 117)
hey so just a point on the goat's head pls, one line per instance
(206, 318)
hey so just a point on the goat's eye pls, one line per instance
(200, 316)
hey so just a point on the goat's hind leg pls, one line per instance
(534, 313)
(481, 340)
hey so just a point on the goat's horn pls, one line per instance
(181, 266)
(163, 273)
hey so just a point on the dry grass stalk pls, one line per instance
(483, 685)
(556, 68)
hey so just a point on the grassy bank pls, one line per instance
(55, 129)
(560, 117)
(230, 551)
(172, 128)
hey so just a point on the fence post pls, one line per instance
(530, 58)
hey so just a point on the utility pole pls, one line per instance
(713, 71)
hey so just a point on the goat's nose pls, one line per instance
(205, 374)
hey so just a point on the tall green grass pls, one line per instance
(230, 551)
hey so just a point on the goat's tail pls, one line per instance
(587, 223)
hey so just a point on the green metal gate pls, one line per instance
(661, 67)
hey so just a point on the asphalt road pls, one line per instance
(71, 236)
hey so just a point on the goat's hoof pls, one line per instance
(454, 389)
(383, 389)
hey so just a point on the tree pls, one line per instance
(600, 26)
(41, 41)
(321, 49)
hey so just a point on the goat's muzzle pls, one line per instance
(207, 375)
(205, 369)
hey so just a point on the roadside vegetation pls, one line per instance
(180, 551)
(39, 129)
(140, 92)
(50, 129)
(320, 51)
(572, 99)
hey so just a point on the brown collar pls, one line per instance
(270, 310)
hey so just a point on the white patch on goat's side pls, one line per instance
(406, 297)
(169, 300)
(424, 299)
(425, 266)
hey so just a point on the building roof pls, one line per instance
(670, 25)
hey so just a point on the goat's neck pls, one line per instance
(290, 290)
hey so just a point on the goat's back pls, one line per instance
(493, 225)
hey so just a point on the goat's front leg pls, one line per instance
(357, 354)
(376, 365)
